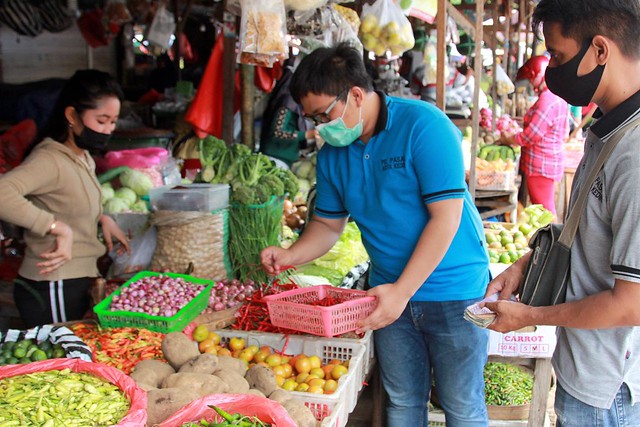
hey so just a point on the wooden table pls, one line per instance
(499, 202)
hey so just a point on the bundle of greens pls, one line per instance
(254, 178)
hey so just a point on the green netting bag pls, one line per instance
(253, 228)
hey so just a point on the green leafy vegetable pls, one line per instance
(139, 182)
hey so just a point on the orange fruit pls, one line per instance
(288, 370)
(290, 384)
(246, 355)
(303, 364)
(279, 380)
(236, 343)
(302, 387)
(279, 370)
(260, 356)
(338, 371)
(213, 336)
(316, 382)
(253, 349)
(315, 361)
(200, 333)
(205, 344)
(300, 378)
(315, 389)
(273, 360)
(330, 386)
(224, 352)
(319, 372)
(327, 370)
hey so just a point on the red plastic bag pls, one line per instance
(267, 410)
(137, 415)
(205, 112)
(14, 142)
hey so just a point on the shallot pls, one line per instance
(229, 293)
(156, 295)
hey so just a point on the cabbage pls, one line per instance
(107, 193)
(341, 258)
(137, 181)
(304, 169)
(115, 205)
(140, 206)
(126, 194)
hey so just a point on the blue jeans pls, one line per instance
(571, 412)
(433, 337)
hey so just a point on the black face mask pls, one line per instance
(94, 142)
(563, 80)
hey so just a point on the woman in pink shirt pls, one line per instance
(546, 127)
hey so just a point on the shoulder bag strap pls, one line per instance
(571, 225)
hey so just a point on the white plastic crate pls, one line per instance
(337, 418)
(328, 349)
(369, 350)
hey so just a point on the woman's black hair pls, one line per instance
(581, 20)
(82, 92)
(330, 71)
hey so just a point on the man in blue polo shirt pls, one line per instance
(395, 167)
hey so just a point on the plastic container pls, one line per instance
(497, 181)
(295, 310)
(345, 397)
(175, 323)
(190, 197)
(338, 417)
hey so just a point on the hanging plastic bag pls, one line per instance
(266, 410)
(142, 248)
(504, 85)
(263, 30)
(384, 27)
(162, 28)
(341, 30)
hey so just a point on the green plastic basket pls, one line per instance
(175, 323)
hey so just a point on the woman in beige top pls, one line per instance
(55, 195)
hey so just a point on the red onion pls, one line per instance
(156, 295)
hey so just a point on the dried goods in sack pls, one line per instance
(195, 240)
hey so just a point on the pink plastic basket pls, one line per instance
(294, 310)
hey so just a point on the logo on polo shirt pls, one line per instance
(596, 190)
(396, 162)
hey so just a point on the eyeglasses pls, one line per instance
(324, 116)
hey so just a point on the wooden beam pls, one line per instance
(441, 22)
(228, 76)
(475, 114)
(462, 20)
(247, 110)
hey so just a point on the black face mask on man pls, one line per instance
(89, 139)
(563, 80)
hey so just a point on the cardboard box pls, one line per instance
(531, 344)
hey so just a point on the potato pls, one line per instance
(178, 349)
(202, 364)
(235, 381)
(232, 364)
(280, 395)
(199, 383)
(162, 403)
(255, 392)
(300, 413)
(262, 378)
(151, 372)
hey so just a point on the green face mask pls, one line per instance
(336, 132)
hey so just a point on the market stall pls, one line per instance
(189, 322)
